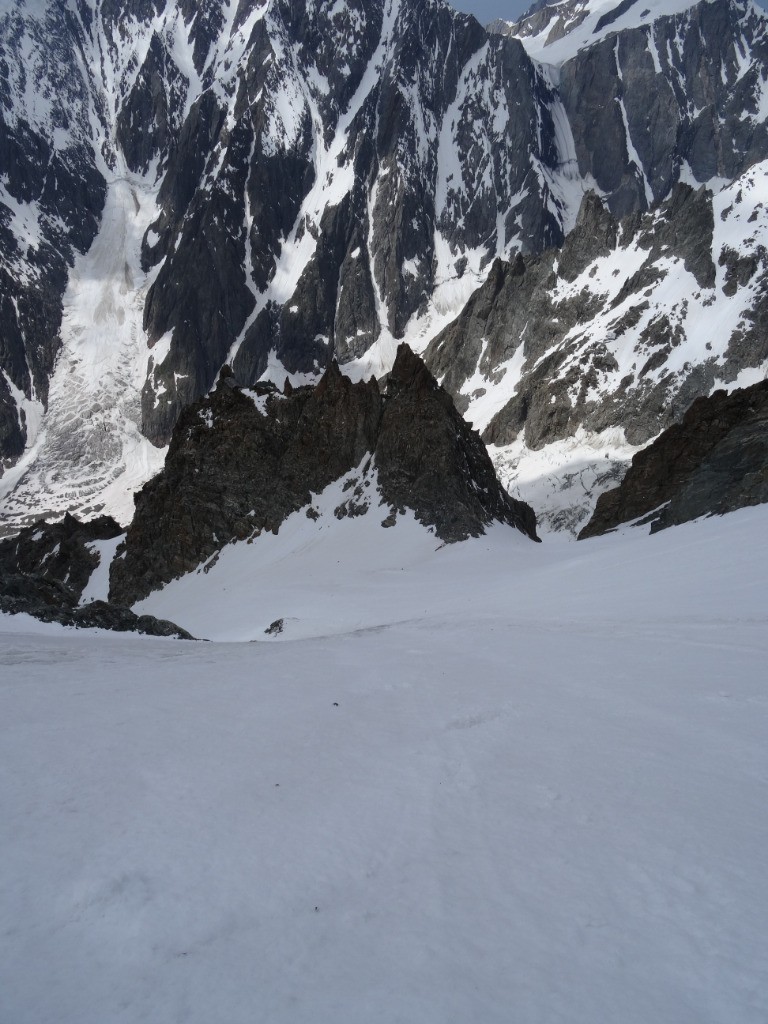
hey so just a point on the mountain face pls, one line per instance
(241, 461)
(275, 184)
(655, 92)
(613, 335)
(713, 462)
(293, 167)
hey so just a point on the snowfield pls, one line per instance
(494, 782)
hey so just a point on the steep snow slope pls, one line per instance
(544, 788)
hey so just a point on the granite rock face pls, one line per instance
(242, 460)
(240, 282)
(623, 76)
(713, 462)
(645, 101)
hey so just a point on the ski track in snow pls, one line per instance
(540, 798)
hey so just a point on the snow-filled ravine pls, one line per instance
(496, 782)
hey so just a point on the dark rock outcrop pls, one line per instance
(58, 556)
(714, 461)
(241, 461)
(22, 596)
(45, 569)
(429, 459)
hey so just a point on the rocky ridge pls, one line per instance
(242, 460)
(713, 462)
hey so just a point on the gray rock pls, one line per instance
(713, 462)
(57, 555)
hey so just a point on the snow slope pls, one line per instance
(504, 782)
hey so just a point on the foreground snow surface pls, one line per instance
(529, 784)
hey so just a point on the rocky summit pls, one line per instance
(242, 460)
(714, 461)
